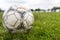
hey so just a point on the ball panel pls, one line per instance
(11, 19)
(10, 13)
(25, 23)
(9, 26)
(29, 18)
(22, 10)
(17, 24)
(17, 15)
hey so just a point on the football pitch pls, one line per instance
(46, 27)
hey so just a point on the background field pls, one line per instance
(46, 27)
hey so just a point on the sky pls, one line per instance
(43, 4)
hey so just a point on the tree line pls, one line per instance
(38, 9)
(54, 9)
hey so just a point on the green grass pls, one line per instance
(46, 27)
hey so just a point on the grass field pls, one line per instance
(46, 27)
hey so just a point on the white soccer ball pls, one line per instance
(18, 19)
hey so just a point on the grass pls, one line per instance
(46, 27)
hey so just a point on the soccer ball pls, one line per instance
(18, 19)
